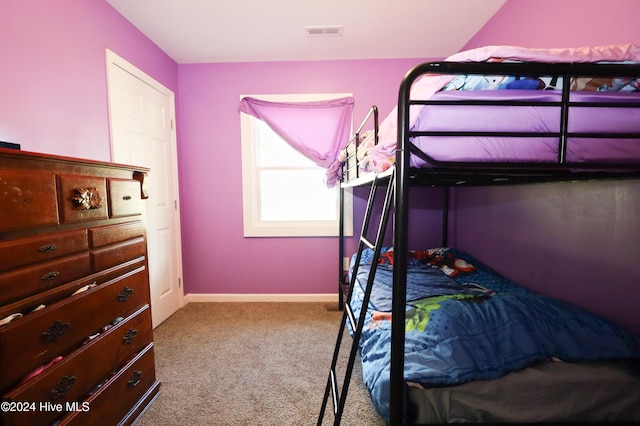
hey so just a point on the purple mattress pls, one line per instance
(470, 118)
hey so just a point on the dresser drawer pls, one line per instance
(119, 394)
(42, 276)
(27, 199)
(32, 250)
(105, 257)
(124, 197)
(63, 326)
(75, 376)
(82, 198)
(105, 235)
(28, 304)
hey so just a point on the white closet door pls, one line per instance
(142, 133)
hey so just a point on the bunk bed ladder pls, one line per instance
(339, 396)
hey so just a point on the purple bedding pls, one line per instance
(527, 119)
(377, 154)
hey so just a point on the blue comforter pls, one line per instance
(464, 322)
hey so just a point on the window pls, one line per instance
(284, 193)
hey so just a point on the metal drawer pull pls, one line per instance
(47, 248)
(57, 329)
(62, 387)
(125, 294)
(87, 198)
(126, 197)
(50, 275)
(128, 338)
(135, 379)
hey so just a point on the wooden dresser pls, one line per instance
(74, 278)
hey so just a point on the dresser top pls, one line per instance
(10, 158)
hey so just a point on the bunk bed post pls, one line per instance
(400, 244)
(445, 216)
(341, 277)
(564, 119)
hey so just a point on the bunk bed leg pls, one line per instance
(341, 280)
(398, 303)
(445, 217)
(400, 249)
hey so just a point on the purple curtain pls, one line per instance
(317, 129)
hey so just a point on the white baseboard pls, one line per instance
(205, 297)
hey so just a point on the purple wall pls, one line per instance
(566, 23)
(217, 258)
(574, 241)
(53, 76)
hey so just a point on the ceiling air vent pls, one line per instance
(326, 31)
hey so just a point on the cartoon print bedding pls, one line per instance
(465, 322)
(505, 82)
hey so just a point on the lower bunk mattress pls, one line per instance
(480, 348)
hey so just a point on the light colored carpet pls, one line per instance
(251, 364)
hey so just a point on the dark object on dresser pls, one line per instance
(9, 145)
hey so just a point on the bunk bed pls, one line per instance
(567, 114)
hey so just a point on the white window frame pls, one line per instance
(253, 225)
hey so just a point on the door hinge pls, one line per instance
(171, 121)
(175, 204)
(179, 282)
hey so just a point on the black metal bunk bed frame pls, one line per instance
(401, 176)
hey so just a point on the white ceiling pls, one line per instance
(203, 31)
